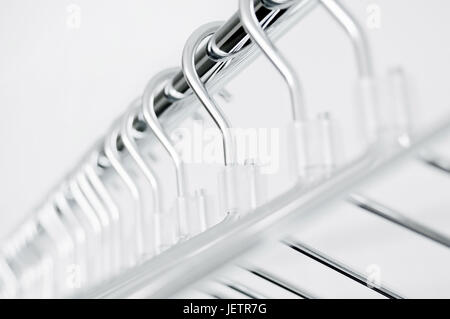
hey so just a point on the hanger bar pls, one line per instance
(277, 282)
(242, 289)
(338, 267)
(399, 219)
(212, 295)
(231, 36)
(437, 163)
(227, 37)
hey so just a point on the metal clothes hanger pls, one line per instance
(199, 89)
(256, 32)
(239, 194)
(92, 172)
(102, 216)
(136, 250)
(298, 109)
(106, 209)
(152, 121)
(231, 197)
(58, 221)
(190, 220)
(299, 112)
(126, 133)
(79, 236)
(93, 227)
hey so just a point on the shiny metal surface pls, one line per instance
(272, 221)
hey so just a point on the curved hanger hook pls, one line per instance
(199, 89)
(356, 34)
(93, 200)
(126, 133)
(350, 25)
(85, 206)
(255, 31)
(111, 152)
(90, 170)
(94, 194)
(150, 117)
(359, 43)
(97, 262)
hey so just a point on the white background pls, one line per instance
(60, 88)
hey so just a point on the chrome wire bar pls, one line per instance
(338, 267)
(399, 219)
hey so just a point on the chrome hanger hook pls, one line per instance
(129, 142)
(199, 89)
(148, 112)
(91, 171)
(336, 10)
(111, 152)
(346, 20)
(217, 54)
(255, 31)
(356, 34)
(127, 134)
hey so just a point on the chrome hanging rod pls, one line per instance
(229, 37)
